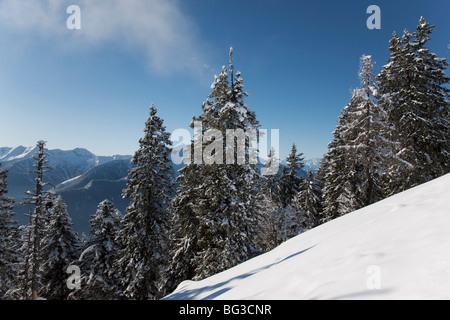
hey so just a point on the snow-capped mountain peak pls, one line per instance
(20, 152)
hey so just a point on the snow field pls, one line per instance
(401, 244)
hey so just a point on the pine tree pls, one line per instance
(414, 96)
(271, 181)
(9, 235)
(60, 247)
(144, 230)
(339, 190)
(319, 179)
(224, 207)
(290, 183)
(356, 156)
(229, 216)
(270, 223)
(39, 199)
(279, 218)
(290, 180)
(364, 140)
(184, 231)
(100, 278)
(308, 203)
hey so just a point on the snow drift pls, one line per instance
(398, 248)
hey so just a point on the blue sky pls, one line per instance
(92, 87)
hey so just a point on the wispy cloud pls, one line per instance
(157, 28)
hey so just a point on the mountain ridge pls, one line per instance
(67, 168)
(82, 178)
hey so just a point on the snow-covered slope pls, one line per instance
(398, 248)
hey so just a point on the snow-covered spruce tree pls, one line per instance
(356, 156)
(9, 236)
(291, 180)
(280, 221)
(184, 230)
(60, 247)
(100, 278)
(39, 199)
(414, 95)
(290, 183)
(319, 179)
(339, 191)
(308, 203)
(229, 216)
(364, 137)
(271, 232)
(144, 229)
(226, 199)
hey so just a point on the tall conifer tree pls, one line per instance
(144, 229)
(308, 203)
(223, 208)
(100, 278)
(40, 201)
(60, 247)
(9, 235)
(414, 95)
(353, 166)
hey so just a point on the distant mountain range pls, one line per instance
(79, 176)
(308, 165)
(82, 178)
(312, 164)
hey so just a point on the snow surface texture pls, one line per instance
(398, 248)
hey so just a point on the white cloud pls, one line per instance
(30, 15)
(157, 28)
